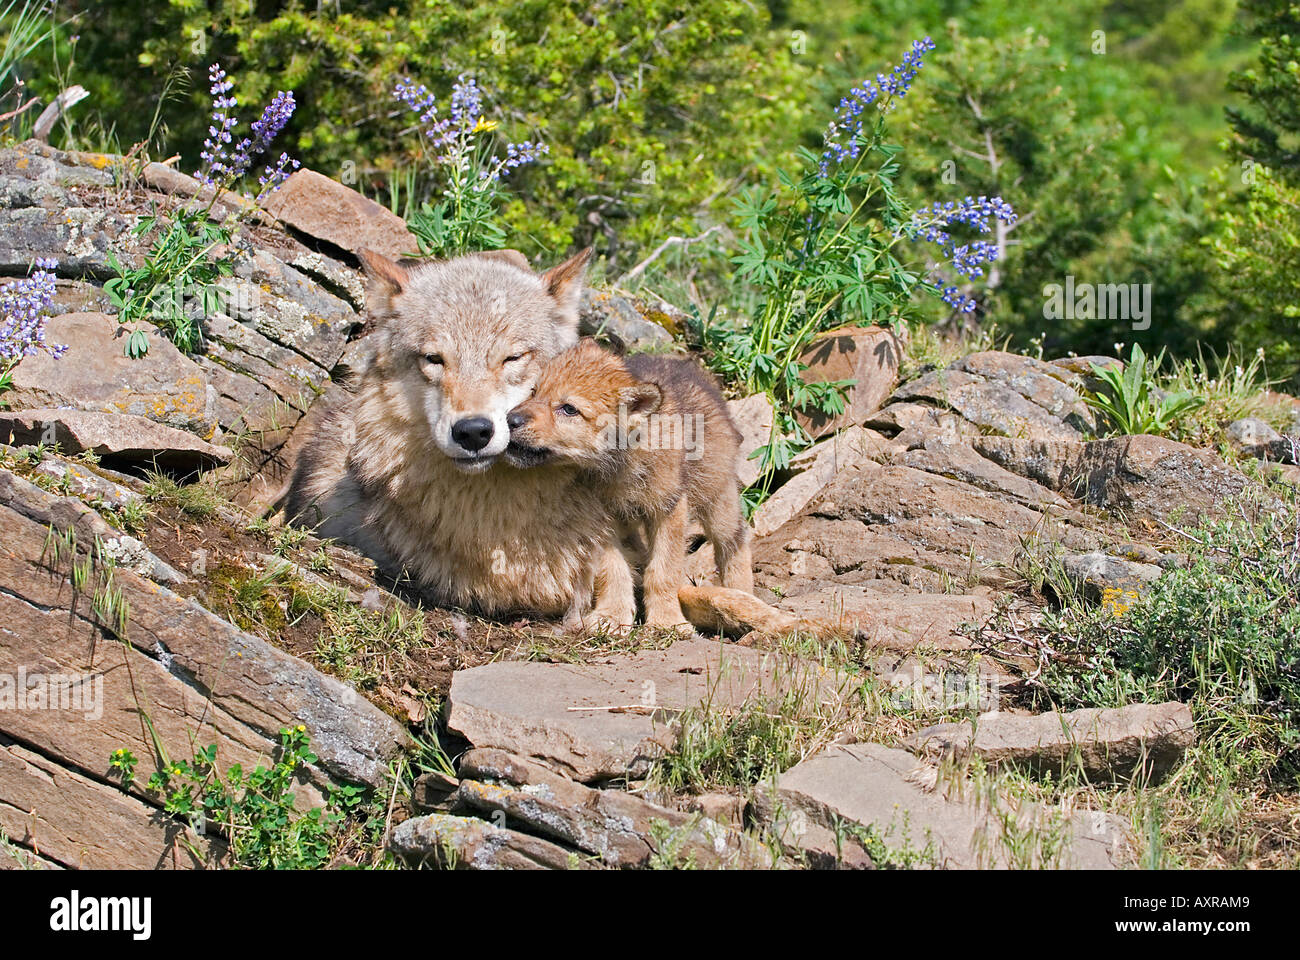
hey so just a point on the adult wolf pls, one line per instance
(409, 470)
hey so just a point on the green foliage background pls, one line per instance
(1120, 127)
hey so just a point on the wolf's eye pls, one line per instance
(515, 358)
(567, 409)
(433, 359)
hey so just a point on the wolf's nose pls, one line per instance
(472, 433)
(515, 419)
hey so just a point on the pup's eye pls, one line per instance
(515, 357)
(567, 409)
(433, 359)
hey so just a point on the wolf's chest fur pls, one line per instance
(501, 542)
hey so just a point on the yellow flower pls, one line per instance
(484, 124)
(301, 728)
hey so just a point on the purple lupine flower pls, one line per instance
(273, 177)
(220, 168)
(452, 134)
(267, 128)
(216, 164)
(466, 102)
(968, 260)
(844, 133)
(22, 315)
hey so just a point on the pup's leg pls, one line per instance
(724, 524)
(663, 570)
(615, 594)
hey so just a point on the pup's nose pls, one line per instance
(472, 433)
(516, 419)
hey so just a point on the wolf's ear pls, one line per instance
(512, 257)
(384, 280)
(564, 284)
(641, 399)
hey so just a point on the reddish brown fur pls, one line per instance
(694, 474)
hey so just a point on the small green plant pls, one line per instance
(257, 812)
(1132, 401)
(468, 215)
(824, 252)
(178, 282)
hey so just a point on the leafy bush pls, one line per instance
(1133, 403)
(255, 811)
(651, 109)
(1221, 634)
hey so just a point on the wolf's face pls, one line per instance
(464, 341)
(584, 402)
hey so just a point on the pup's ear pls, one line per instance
(641, 399)
(564, 284)
(384, 280)
(512, 257)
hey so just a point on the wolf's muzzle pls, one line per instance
(472, 433)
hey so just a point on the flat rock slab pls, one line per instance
(1115, 744)
(329, 211)
(251, 682)
(868, 356)
(896, 796)
(601, 721)
(74, 821)
(94, 374)
(117, 437)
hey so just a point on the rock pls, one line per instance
(724, 808)
(893, 522)
(1040, 382)
(1098, 573)
(75, 821)
(86, 482)
(256, 684)
(116, 437)
(892, 622)
(987, 403)
(94, 374)
(867, 355)
(610, 315)
(1153, 478)
(464, 843)
(1143, 477)
(816, 467)
(903, 416)
(888, 792)
(1253, 437)
(623, 829)
(958, 461)
(293, 309)
(325, 209)
(434, 791)
(65, 513)
(753, 418)
(608, 720)
(1146, 740)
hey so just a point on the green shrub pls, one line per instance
(1221, 634)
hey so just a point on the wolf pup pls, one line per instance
(407, 469)
(655, 435)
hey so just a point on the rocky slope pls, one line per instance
(200, 623)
